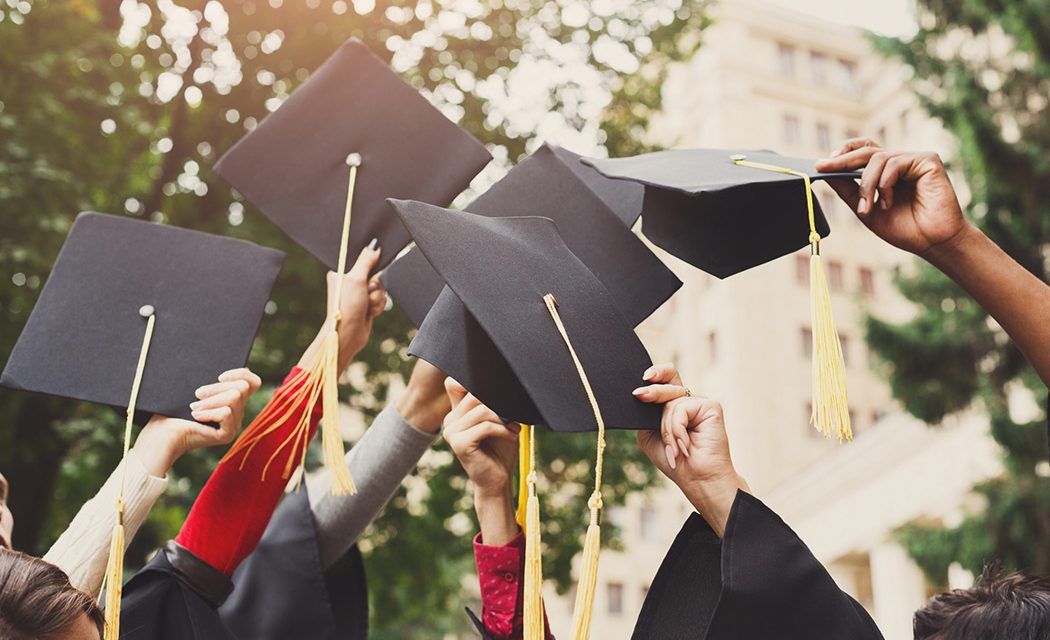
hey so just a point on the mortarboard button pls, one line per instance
(146, 310)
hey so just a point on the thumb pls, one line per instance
(366, 261)
(456, 392)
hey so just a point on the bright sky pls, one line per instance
(887, 17)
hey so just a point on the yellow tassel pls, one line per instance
(830, 398)
(533, 598)
(524, 465)
(588, 582)
(830, 413)
(113, 580)
(318, 380)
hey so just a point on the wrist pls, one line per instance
(944, 255)
(713, 498)
(496, 517)
(424, 408)
(157, 455)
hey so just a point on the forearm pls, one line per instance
(347, 349)
(388, 452)
(82, 550)
(1017, 299)
(232, 511)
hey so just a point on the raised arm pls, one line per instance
(388, 452)
(82, 549)
(907, 200)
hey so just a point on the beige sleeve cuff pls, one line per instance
(82, 550)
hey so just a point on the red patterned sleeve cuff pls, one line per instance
(500, 574)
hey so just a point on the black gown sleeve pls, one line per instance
(759, 582)
(282, 590)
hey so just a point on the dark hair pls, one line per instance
(37, 601)
(1014, 606)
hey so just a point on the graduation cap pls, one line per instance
(353, 114)
(725, 211)
(560, 332)
(548, 183)
(321, 167)
(139, 315)
(623, 197)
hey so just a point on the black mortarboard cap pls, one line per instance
(501, 269)
(623, 197)
(293, 166)
(85, 333)
(544, 185)
(717, 215)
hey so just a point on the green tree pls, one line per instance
(983, 69)
(122, 107)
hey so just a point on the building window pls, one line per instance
(824, 138)
(786, 59)
(807, 342)
(844, 343)
(802, 269)
(647, 523)
(810, 429)
(712, 346)
(854, 427)
(645, 592)
(835, 281)
(877, 415)
(847, 77)
(615, 593)
(867, 282)
(881, 139)
(852, 133)
(792, 130)
(818, 67)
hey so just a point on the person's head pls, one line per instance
(7, 521)
(37, 602)
(1015, 606)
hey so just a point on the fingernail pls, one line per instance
(685, 449)
(195, 405)
(197, 393)
(373, 243)
(639, 391)
(884, 204)
(648, 375)
(670, 456)
(862, 206)
(224, 376)
(196, 414)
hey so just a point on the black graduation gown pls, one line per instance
(280, 591)
(760, 582)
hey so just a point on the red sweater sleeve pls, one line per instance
(501, 576)
(232, 511)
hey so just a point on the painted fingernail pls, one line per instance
(195, 405)
(670, 456)
(372, 245)
(648, 375)
(862, 206)
(639, 391)
(884, 204)
(685, 449)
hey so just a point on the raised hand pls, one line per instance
(916, 209)
(361, 299)
(164, 440)
(695, 426)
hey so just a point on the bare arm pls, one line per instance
(917, 210)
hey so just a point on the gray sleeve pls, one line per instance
(380, 460)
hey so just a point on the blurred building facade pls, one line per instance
(766, 77)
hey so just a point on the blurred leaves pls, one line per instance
(982, 68)
(122, 107)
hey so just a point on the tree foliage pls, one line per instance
(122, 107)
(983, 69)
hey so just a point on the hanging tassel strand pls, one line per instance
(113, 579)
(588, 581)
(318, 380)
(524, 464)
(830, 413)
(533, 598)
